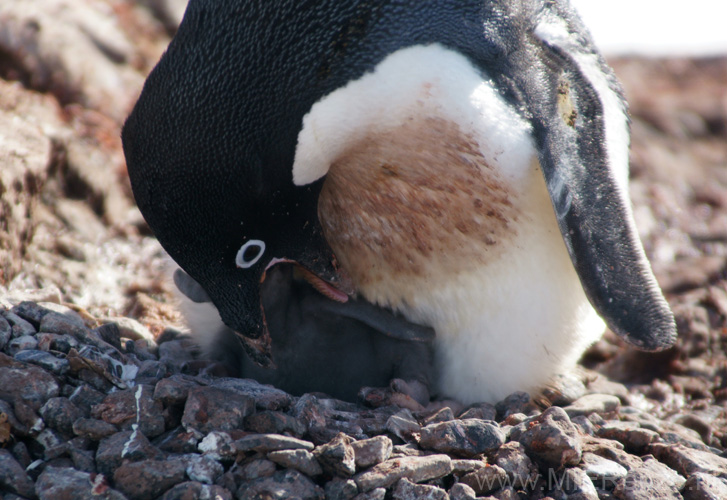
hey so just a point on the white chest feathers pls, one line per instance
(435, 205)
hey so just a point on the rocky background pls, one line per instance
(101, 396)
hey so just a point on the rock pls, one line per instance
(403, 425)
(701, 486)
(517, 402)
(651, 480)
(443, 415)
(630, 434)
(461, 491)
(219, 446)
(19, 326)
(340, 489)
(126, 445)
(604, 473)
(44, 360)
(462, 466)
(274, 422)
(687, 461)
(203, 468)
(486, 480)
(552, 440)
(266, 397)
(372, 451)
(576, 484)
(180, 441)
(130, 328)
(254, 469)
(416, 469)
(20, 344)
(130, 407)
(64, 483)
(93, 429)
(193, 490)
(482, 411)
(13, 478)
(375, 494)
(337, 456)
(216, 409)
(282, 485)
(465, 438)
(271, 442)
(29, 383)
(521, 471)
(174, 390)
(85, 398)
(148, 478)
(603, 404)
(301, 460)
(60, 414)
(5, 332)
(406, 490)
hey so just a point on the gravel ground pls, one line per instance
(101, 395)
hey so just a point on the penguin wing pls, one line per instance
(581, 131)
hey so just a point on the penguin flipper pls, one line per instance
(581, 131)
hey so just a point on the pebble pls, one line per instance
(341, 489)
(517, 402)
(129, 407)
(60, 414)
(603, 472)
(282, 485)
(301, 460)
(6, 331)
(443, 415)
(513, 459)
(403, 425)
(85, 398)
(266, 397)
(18, 325)
(482, 411)
(372, 451)
(44, 360)
(552, 439)
(274, 422)
(271, 442)
(193, 490)
(203, 468)
(179, 440)
(486, 480)
(130, 328)
(603, 404)
(218, 445)
(174, 390)
(124, 446)
(216, 409)
(630, 434)
(337, 456)
(24, 381)
(465, 438)
(375, 494)
(416, 469)
(577, 485)
(13, 477)
(61, 483)
(461, 491)
(688, 461)
(701, 486)
(21, 343)
(254, 469)
(406, 490)
(651, 478)
(148, 478)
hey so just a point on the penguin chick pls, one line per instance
(465, 162)
(319, 345)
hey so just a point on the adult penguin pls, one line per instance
(463, 162)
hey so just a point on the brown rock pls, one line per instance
(406, 490)
(552, 439)
(282, 485)
(33, 385)
(274, 422)
(688, 461)
(337, 457)
(416, 469)
(372, 451)
(701, 486)
(651, 480)
(486, 480)
(215, 408)
(148, 478)
(13, 478)
(465, 438)
(264, 443)
(193, 490)
(134, 406)
(126, 445)
(300, 460)
(64, 483)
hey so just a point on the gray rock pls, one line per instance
(339, 488)
(403, 425)
(577, 485)
(191, 490)
(463, 466)
(174, 390)
(375, 494)
(216, 409)
(85, 398)
(301, 460)
(203, 468)
(517, 402)
(552, 440)
(58, 483)
(604, 473)
(126, 445)
(506, 493)
(44, 360)
(148, 478)
(29, 383)
(337, 456)
(687, 461)
(18, 325)
(282, 485)
(21, 343)
(135, 406)
(461, 491)
(219, 446)
(701, 486)
(266, 397)
(465, 438)
(406, 490)
(271, 442)
(130, 328)
(372, 451)
(521, 471)
(443, 415)
(60, 414)
(651, 480)
(482, 411)
(630, 434)
(180, 441)
(603, 404)
(486, 480)
(254, 469)
(274, 422)
(584, 424)
(416, 469)
(13, 478)
(6, 332)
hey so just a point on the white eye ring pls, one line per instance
(240, 258)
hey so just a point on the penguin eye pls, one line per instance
(249, 253)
